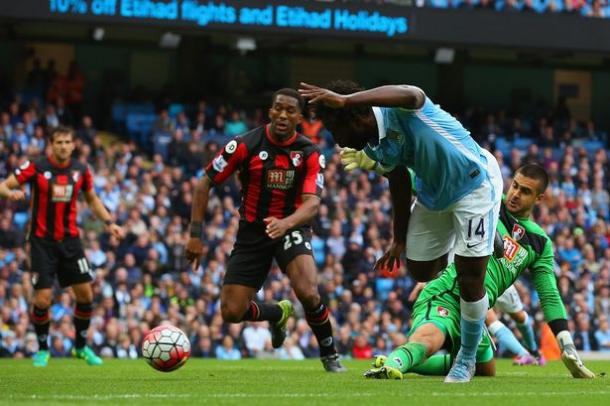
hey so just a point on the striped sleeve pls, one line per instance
(313, 182)
(227, 161)
(25, 172)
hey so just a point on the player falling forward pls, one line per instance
(55, 247)
(435, 313)
(281, 176)
(458, 185)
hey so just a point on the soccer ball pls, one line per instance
(166, 348)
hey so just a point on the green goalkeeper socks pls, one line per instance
(406, 357)
(438, 365)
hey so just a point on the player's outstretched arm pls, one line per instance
(9, 189)
(400, 190)
(555, 312)
(102, 213)
(406, 96)
(194, 246)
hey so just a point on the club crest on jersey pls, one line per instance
(518, 232)
(263, 155)
(393, 135)
(280, 179)
(47, 175)
(219, 163)
(75, 176)
(443, 312)
(297, 158)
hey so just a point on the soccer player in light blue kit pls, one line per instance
(458, 186)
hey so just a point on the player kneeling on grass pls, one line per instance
(436, 313)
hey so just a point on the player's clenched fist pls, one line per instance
(194, 250)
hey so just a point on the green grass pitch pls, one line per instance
(257, 382)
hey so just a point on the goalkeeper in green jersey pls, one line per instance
(436, 313)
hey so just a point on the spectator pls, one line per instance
(227, 351)
(602, 335)
(235, 126)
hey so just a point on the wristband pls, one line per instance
(196, 230)
(108, 222)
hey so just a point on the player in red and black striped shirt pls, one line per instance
(55, 246)
(281, 176)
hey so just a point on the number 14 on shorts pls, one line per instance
(476, 228)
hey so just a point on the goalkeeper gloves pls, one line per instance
(570, 357)
(352, 159)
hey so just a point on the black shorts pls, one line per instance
(66, 259)
(254, 252)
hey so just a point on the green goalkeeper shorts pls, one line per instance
(443, 310)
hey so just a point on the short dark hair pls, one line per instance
(345, 124)
(535, 171)
(331, 116)
(287, 91)
(60, 130)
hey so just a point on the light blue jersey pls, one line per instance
(448, 163)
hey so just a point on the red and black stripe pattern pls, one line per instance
(82, 319)
(318, 316)
(319, 321)
(55, 191)
(41, 320)
(40, 316)
(273, 176)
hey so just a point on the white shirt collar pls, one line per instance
(379, 118)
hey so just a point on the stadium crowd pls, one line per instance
(145, 279)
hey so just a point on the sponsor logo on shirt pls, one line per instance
(61, 193)
(280, 179)
(514, 255)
